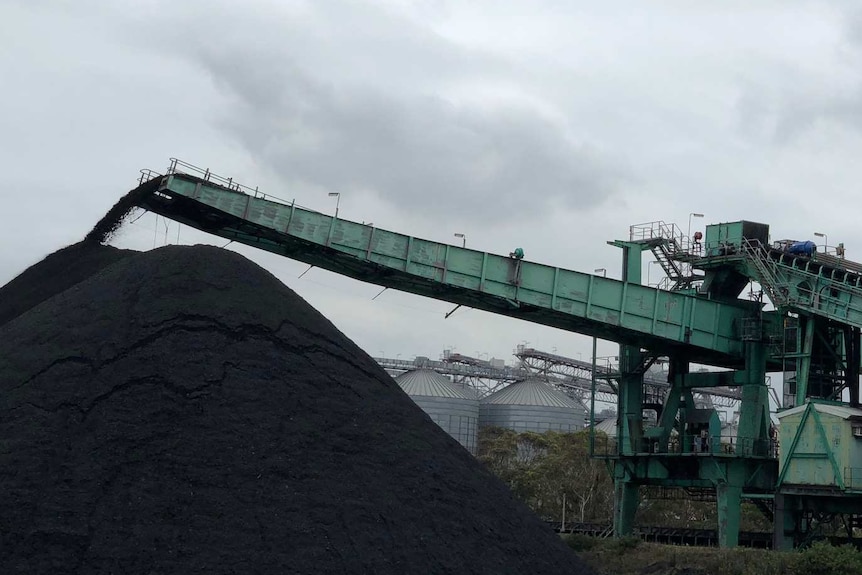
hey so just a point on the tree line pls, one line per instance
(553, 474)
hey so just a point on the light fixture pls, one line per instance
(692, 215)
(825, 240)
(337, 196)
(463, 240)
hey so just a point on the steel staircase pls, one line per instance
(667, 243)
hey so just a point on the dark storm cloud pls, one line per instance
(422, 152)
(358, 101)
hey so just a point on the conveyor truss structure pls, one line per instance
(574, 377)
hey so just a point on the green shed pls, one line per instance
(821, 446)
(726, 238)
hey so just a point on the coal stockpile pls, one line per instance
(182, 411)
(72, 264)
(56, 273)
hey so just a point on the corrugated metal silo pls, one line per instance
(454, 409)
(531, 405)
(608, 427)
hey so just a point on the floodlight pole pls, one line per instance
(825, 240)
(337, 196)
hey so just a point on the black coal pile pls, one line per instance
(182, 411)
(56, 273)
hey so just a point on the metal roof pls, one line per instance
(842, 411)
(429, 383)
(531, 392)
(608, 427)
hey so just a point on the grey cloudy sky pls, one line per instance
(548, 125)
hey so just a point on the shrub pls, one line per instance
(824, 559)
(626, 543)
(580, 542)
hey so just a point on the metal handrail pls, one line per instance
(147, 175)
(665, 283)
(178, 166)
(724, 445)
(782, 293)
(770, 271)
(662, 230)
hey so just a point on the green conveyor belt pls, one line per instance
(662, 321)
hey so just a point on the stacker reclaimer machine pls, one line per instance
(810, 333)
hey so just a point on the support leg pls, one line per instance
(783, 523)
(729, 501)
(804, 366)
(625, 506)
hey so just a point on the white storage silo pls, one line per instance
(608, 427)
(532, 405)
(454, 409)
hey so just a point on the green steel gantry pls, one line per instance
(701, 320)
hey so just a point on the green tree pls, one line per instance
(549, 471)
